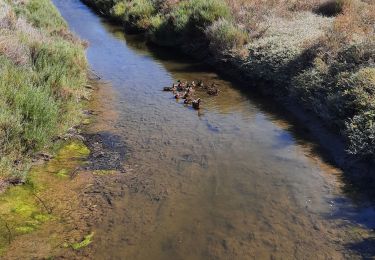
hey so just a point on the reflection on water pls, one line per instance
(227, 182)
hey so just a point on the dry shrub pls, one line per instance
(7, 16)
(69, 36)
(253, 14)
(11, 48)
(30, 33)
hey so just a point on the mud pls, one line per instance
(107, 152)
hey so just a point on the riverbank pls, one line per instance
(54, 214)
(43, 91)
(43, 71)
(317, 55)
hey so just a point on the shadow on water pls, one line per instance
(366, 248)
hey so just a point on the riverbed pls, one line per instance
(235, 180)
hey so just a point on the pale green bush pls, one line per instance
(225, 37)
(278, 55)
(118, 11)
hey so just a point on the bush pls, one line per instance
(61, 66)
(196, 15)
(139, 14)
(119, 10)
(187, 21)
(360, 131)
(226, 37)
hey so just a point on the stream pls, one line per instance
(235, 180)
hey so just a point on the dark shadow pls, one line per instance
(107, 151)
(366, 248)
(329, 8)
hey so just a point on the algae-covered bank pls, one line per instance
(42, 211)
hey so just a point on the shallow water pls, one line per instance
(231, 181)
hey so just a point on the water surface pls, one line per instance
(231, 181)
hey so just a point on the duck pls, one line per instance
(186, 95)
(178, 95)
(181, 86)
(200, 84)
(189, 92)
(173, 88)
(196, 103)
(213, 90)
(188, 100)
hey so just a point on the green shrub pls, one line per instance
(360, 131)
(39, 115)
(354, 93)
(139, 9)
(187, 22)
(119, 10)
(196, 15)
(224, 36)
(138, 14)
(61, 66)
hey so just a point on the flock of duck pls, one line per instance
(186, 90)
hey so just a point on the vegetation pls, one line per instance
(320, 53)
(87, 240)
(43, 73)
(25, 208)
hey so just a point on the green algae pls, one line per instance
(25, 229)
(74, 149)
(86, 121)
(103, 172)
(87, 240)
(23, 209)
(63, 173)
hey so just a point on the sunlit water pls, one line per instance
(230, 181)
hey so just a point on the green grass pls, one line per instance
(39, 98)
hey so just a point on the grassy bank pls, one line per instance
(319, 53)
(43, 73)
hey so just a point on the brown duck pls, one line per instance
(213, 90)
(196, 103)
